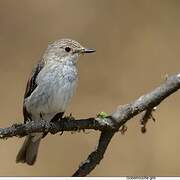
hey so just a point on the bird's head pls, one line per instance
(66, 50)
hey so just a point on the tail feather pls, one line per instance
(28, 152)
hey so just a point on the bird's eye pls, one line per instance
(67, 49)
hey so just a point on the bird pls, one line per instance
(49, 90)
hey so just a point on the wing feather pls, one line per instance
(30, 87)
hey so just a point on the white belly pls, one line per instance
(53, 93)
(60, 96)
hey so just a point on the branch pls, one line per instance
(126, 112)
(107, 125)
(64, 124)
(96, 156)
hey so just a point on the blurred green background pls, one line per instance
(137, 43)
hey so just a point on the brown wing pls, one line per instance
(30, 87)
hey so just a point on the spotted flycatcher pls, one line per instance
(49, 90)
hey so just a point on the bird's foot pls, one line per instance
(66, 118)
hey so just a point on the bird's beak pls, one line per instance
(88, 50)
(84, 50)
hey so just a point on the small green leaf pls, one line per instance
(102, 115)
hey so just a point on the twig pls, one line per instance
(146, 117)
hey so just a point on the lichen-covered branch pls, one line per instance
(63, 124)
(107, 125)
